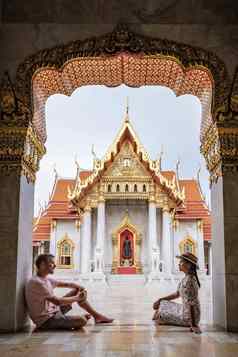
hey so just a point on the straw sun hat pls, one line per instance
(189, 257)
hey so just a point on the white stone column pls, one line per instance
(53, 246)
(153, 244)
(210, 258)
(86, 242)
(166, 241)
(201, 253)
(100, 241)
(77, 247)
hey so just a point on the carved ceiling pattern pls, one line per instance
(129, 69)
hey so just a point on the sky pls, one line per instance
(93, 115)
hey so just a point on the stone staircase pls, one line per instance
(122, 280)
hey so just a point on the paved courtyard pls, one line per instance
(132, 333)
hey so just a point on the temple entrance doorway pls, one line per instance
(126, 248)
(127, 252)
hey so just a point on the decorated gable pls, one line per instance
(126, 164)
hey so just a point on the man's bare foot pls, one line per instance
(155, 316)
(100, 319)
(196, 329)
(87, 316)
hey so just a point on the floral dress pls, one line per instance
(172, 313)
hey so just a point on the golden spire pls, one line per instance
(160, 157)
(55, 172)
(93, 152)
(127, 110)
(177, 168)
(199, 183)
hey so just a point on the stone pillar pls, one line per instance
(200, 246)
(16, 217)
(210, 258)
(86, 242)
(77, 247)
(21, 150)
(166, 241)
(220, 149)
(153, 244)
(99, 249)
(53, 247)
(224, 199)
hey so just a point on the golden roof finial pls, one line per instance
(160, 157)
(55, 172)
(127, 110)
(177, 168)
(199, 183)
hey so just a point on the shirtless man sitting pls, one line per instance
(47, 310)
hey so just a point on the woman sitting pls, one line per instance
(188, 313)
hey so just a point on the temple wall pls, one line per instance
(29, 26)
(22, 40)
(68, 227)
(187, 228)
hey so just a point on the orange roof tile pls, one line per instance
(168, 174)
(57, 208)
(195, 207)
(192, 190)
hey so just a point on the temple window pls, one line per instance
(65, 253)
(118, 188)
(135, 188)
(127, 162)
(144, 188)
(46, 247)
(187, 245)
(126, 188)
(109, 188)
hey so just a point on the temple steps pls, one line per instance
(128, 279)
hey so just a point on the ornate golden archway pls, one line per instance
(119, 57)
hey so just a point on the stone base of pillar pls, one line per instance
(86, 278)
(98, 277)
(153, 276)
(159, 277)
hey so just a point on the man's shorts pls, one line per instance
(61, 321)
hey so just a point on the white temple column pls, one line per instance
(201, 253)
(99, 249)
(86, 242)
(153, 244)
(166, 241)
(77, 247)
(53, 243)
(210, 258)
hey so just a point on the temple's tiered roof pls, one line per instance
(127, 132)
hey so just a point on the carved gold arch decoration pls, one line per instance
(123, 68)
(121, 56)
(65, 253)
(137, 237)
(187, 245)
(220, 141)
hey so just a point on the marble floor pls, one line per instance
(132, 333)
